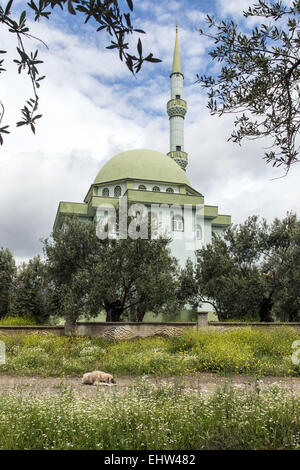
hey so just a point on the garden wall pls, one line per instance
(221, 326)
(129, 330)
(15, 330)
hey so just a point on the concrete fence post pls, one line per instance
(70, 328)
(202, 320)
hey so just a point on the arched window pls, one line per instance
(198, 232)
(105, 192)
(169, 190)
(117, 191)
(156, 189)
(178, 223)
(142, 187)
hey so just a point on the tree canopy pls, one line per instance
(88, 275)
(106, 15)
(7, 273)
(30, 294)
(134, 274)
(252, 273)
(259, 77)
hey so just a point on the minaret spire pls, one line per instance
(176, 58)
(176, 109)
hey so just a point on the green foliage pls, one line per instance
(259, 78)
(17, 321)
(69, 254)
(282, 263)
(29, 298)
(88, 274)
(107, 14)
(245, 350)
(252, 272)
(130, 274)
(7, 271)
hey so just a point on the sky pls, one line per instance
(93, 108)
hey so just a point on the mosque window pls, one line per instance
(117, 191)
(178, 147)
(105, 192)
(169, 190)
(156, 189)
(142, 187)
(178, 97)
(178, 223)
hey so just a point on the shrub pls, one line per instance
(17, 321)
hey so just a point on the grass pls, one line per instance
(151, 418)
(249, 351)
(17, 321)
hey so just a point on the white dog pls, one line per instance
(93, 378)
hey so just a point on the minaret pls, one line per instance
(176, 109)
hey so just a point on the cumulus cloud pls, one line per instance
(233, 7)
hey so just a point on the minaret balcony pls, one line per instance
(177, 102)
(179, 157)
(176, 107)
(178, 154)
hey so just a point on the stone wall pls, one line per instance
(16, 330)
(129, 330)
(221, 326)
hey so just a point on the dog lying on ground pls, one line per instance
(94, 378)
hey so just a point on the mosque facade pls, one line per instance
(152, 182)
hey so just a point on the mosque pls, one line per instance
(158, 183)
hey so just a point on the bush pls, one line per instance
(17, 321)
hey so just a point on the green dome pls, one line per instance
(142, 164)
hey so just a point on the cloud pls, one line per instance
(233, 7)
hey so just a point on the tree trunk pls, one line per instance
(114, 311)
(294, 315)
(108, 314)
(140, 312)
(265, 313)
(221, 316)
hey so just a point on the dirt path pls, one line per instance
(205, 382)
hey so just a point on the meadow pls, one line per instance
(151, 418)
(246, 351)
